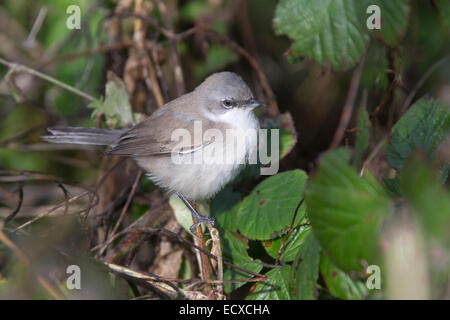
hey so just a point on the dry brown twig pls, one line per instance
(214, 36)
(178, 72)
(127, 204)
(149, 69)
(47, 212)
(258, 276)
(203, 263)
(19, 204)
(217, 251)
(163, 285)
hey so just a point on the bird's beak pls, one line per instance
(253, 103)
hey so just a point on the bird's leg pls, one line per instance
(199, 219)
(196, 230)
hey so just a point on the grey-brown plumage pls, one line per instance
(223, 101)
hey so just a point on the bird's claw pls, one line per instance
(200, 220)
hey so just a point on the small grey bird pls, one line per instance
(222, 102)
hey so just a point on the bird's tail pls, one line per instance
(90, 136)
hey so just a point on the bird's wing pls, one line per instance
(152, 136)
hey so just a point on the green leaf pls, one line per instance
(339, 283)
(224, 208)
(235, 251)
(431, 202)
(288, 134)
(305, 269)
(322, 30)
(192, 10)
(296, 240)
(183, 214)
(335, 30)
(277, 288)
(116, 105)
(362, 140)
(393, 187)
(444, 13)
(268, 211)
(346, 211)
(394, 19)
(423, 126)
(218, 58)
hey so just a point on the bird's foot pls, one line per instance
(200, 219)
(196, 217)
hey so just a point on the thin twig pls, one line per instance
(30, 41)
(19, 136)
(167, 33)
(372, 155)
(419, 84)
(125, 207)
(209, 254)
(76, 55)
(348, 106)
(47, 212)
(385, 98)
(22, 68)
(220, 38)
(291, 228)
(25, 175)
(203, 259)
(161, 285)
(149, 70)
(19, 204)
(66, 197)
(178, 72)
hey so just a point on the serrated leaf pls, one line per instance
(277, 288)
(346, 211)
(339, 283)
(292, 246)
(235, 251)
(335, 30)
(305, 269)
(116, 105)
(268, 211)
(288, 134)
(279, 128)
(362, 139)
(423, 126)
(322, 30)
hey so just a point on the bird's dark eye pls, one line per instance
(227, 103)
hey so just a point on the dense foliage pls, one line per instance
(364, 126)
